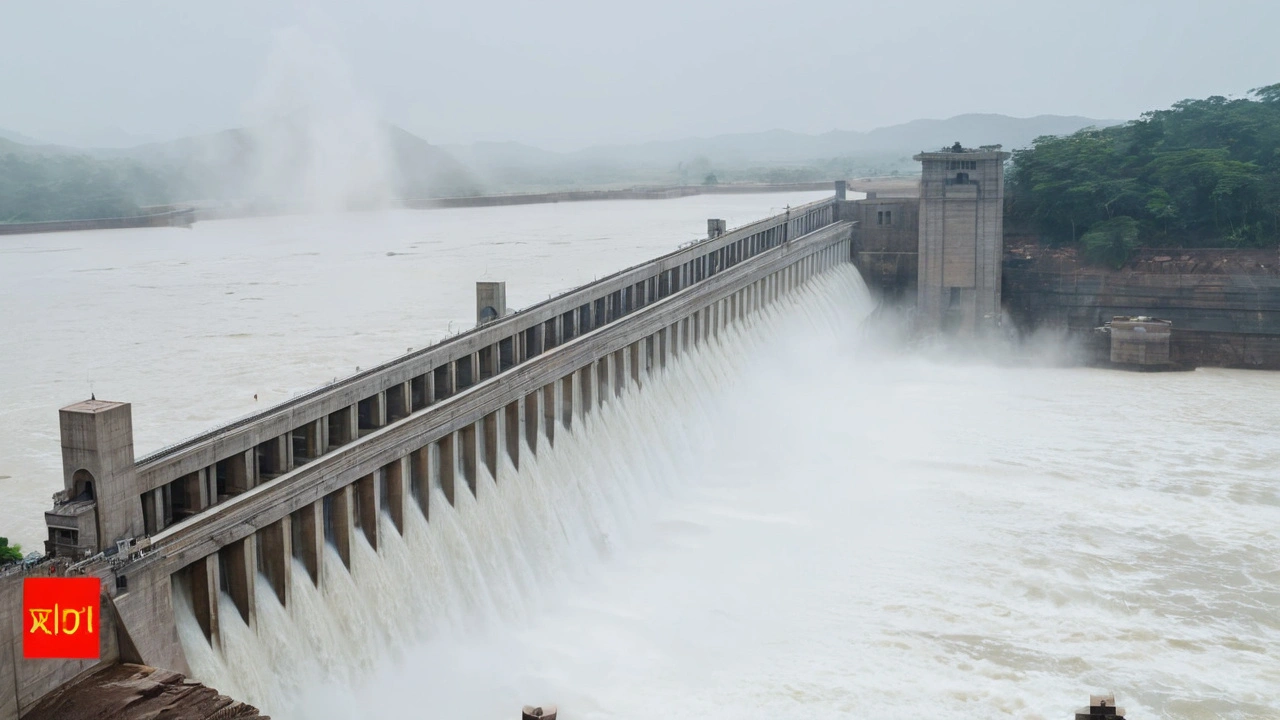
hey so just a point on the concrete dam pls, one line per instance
(236, 511)
(377, 545)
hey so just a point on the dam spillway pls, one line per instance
(500, 557)
(214, 512)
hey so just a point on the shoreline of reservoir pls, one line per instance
(184, 214)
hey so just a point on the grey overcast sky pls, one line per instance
(570, 73)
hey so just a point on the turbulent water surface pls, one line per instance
(799, 521)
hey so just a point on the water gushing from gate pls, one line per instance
(492, 563)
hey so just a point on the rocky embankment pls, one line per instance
(1224, 303)
(138, 692)
(1025, 251)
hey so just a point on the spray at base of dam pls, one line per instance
(807, 566)
(499, 558)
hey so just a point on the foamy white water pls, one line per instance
(496, 562)
(801, 524)
(796, 525)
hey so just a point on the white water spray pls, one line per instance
(316, 142)
(488, 566)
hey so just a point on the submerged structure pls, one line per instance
(1141, 342)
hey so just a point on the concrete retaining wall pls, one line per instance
(887, 245)
(658, 193)
(183, 217)
(1225, 320)
(23, 682)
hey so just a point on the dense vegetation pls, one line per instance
(9, 553)
(34, 188)
(1204, 173)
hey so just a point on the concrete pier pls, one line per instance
(275, 556)
(205, 582)
(444, 466)
(308, 538)
(339, 521)
(239, 571)
(366, 507)
(392, 491)
(511, 431)
(420, 479)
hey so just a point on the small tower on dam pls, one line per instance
(961, 238)
(99, 503)
(491, 301)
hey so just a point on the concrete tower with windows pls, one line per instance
(961, 238)
(99, 504)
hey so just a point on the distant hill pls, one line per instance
(260, 169)
(772, 147)
(17, 137)
(488, 153)
(301, 164)
(424, 170)
(283, 163)
(40, 182)
(971, 130)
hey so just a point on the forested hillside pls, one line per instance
(1204, 173)
(35, 186)
(260, 169)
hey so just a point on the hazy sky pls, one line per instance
(568, 74)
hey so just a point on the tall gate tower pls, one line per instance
(961, 238)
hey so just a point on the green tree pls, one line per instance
(37, 187)
(1268, 94)
(1201, 173)
(1111, 242)
(9, 553)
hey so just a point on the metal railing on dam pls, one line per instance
(517, 337)
(237, 505)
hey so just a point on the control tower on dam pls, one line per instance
(937, 245)
(236, 506)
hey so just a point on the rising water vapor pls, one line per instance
(317, 142)
(440, 607)
(891, 331)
